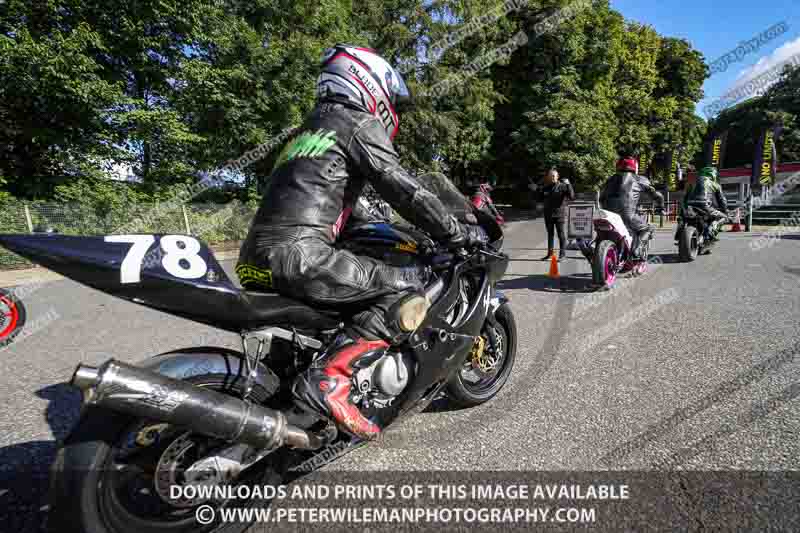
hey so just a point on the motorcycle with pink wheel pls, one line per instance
(610, 251)
(481, 199)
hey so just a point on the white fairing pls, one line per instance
(616, 222)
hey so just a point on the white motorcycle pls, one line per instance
(610, 251)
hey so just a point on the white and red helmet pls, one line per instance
(366, 79)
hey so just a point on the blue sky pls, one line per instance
(715, 27)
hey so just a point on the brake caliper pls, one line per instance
(478, 355)
(150, 435)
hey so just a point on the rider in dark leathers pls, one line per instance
(621, 195)
(706, 196)
(345, 143)
(482, 199)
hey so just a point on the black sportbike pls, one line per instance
(209, 417)
(696, 234)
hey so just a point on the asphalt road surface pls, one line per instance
(692, 366)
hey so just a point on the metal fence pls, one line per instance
(214, 224)
(778, 214)
(218, 224)
(654, 216)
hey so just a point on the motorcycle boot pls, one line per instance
(640, 241)
(327, 386)
(707, 232)
(716, 227)
(714, 230)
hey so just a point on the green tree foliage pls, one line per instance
(174, 88)
(4, 196)
(782, 104)
(52, 97)
(746, 121)
(587, 96)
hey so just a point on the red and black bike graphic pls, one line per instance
(12, 317)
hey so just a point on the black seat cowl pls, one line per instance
(235, 310)
(263, 309)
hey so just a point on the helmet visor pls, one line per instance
(398, 88)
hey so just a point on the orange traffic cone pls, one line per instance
(553, 266)
(737, 226)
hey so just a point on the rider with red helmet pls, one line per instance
(344, 144)
(482, 199)
(621, 195)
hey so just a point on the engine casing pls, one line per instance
(385, 379)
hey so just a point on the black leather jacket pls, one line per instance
(320, 174)
(553, 197)
(623, 192)
(706, 193)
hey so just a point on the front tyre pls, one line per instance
(107, 475)
(486, 371)
(687, 244)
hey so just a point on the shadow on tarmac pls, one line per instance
(25, 467)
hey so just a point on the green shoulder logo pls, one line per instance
(307, 145)
(250, 275)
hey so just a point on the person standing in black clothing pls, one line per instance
(552, 195)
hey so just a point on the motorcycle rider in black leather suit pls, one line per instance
(621, 195)
(482, 199)
(706, 196)
(344, 144)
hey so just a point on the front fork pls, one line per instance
(497, 300)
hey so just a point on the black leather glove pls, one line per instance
(477, 235)
(466, 237)
(460, 239)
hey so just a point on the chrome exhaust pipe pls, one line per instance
(146, 394)
(85, 377)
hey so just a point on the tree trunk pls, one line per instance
(147, 157)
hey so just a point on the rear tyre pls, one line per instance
(605, 264)
(687, 244)
(92, 493)
(466, 391)
(12, 317)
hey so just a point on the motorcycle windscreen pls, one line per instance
(459, 204)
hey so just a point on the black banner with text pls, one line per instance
(715, 150)
(644, 165)
(765, 159)
(674, 172)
